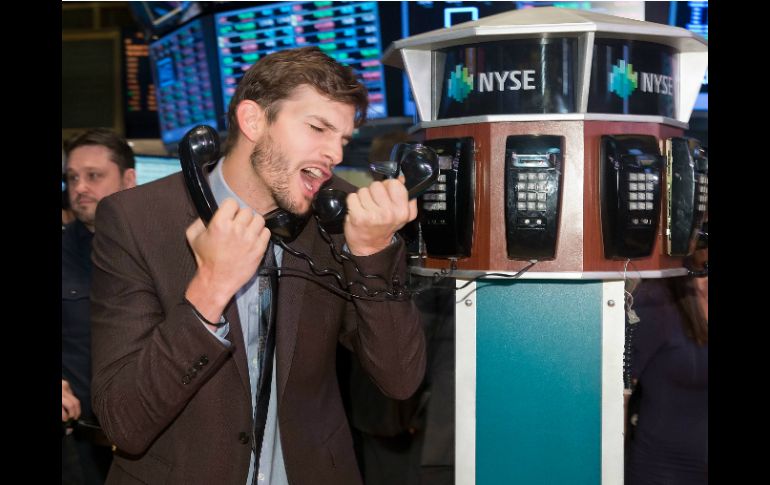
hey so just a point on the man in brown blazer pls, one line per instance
(176, 304)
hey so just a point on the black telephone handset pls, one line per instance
(687, 190)
(199, 149)
(446, 208)
(630, 194)
(533, 188)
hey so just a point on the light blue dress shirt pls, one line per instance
(272, 469)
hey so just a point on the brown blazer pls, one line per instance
(173, 429)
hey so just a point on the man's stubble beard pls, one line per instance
(271, 167)
(85, 216)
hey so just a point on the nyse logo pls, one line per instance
(461, 82)
(510, 80)
(624, 81)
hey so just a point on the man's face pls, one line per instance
(92, 175)
(297, 152)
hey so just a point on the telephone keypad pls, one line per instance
(641, 190)
(532, 187)
(703, 191)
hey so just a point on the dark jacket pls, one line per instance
(146, 340)
(75, 309)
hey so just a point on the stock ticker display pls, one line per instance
(184, 87)
(346, 31)
(139, 100)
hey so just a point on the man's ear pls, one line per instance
(251, 118)
(129, 178)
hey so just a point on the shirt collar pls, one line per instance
(219, 186)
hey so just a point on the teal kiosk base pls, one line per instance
(539, 391)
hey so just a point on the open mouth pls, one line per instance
(313, 178)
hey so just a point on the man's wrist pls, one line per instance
(207, 301)
(369, 249)
(221, 323)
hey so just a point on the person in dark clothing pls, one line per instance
(411, 442)
(670, 368)
(229, 375)
(99, 163)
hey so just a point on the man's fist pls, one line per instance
(228, 253)
(375, 213)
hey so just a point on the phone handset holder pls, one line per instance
(199, 150)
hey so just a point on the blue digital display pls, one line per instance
(184, 70)
(693, 16)
(150, 167)
(346, 31)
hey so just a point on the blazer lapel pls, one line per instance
(235, 336)
(290, 290)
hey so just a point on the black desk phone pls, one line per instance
(446, 208)
(630, 190)
(533, 188)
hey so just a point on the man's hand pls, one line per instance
(228, 253)
(70, 405)
(375, 213)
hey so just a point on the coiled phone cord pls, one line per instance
(399, 293)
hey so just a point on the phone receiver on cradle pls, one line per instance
(418, 163)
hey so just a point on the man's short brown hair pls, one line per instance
(274, 78)
(120, 151)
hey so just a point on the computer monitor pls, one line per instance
(160, 17)
(153, 167)
(185, 73)
(693, 16)
(346, 31)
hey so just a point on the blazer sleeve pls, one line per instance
(387, 336)
(149, 357)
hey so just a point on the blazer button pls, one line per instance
(203, 360)
(186, 379)
(243, 437)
